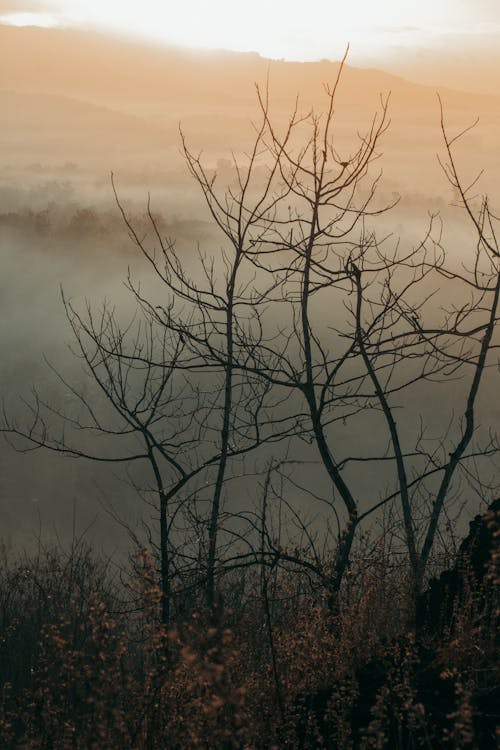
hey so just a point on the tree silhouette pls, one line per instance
(304, 336)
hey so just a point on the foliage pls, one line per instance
(86, 663)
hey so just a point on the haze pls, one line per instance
(77, 104)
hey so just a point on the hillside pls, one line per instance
(84, 97)
(124, 73)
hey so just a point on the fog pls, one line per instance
(71, 121)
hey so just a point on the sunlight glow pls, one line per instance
(290, 29)
(44, 20)
(277, 29)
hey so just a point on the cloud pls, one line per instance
(44, 20)
(30, 12)
(398, 29)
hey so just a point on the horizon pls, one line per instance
(451, 76)
(442, 44)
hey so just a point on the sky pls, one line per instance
(290, 29)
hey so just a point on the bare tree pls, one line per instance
(305, 329)
(138, 413)
(399, 335)
(387, 332)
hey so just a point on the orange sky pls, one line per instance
(290, 29)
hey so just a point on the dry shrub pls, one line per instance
(84, 668)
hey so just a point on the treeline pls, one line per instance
(83, 222)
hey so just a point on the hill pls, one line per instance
(82, 96)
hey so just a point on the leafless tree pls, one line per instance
(305, 328)
(368, 324)
(396, 334)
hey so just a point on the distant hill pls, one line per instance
(125, 73)
(47, 124)
(80, 95)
